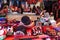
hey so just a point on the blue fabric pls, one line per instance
(17, 2)
(23, 3)
(0, 1)
(2, 19)
(12, 2)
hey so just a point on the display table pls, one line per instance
(18, 17)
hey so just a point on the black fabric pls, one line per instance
(21, 28)
(34, 9)
(8, 2)
(23, 0)
(4, 15)
(19, 4)
(54, 14)
(15, 3)
(35, 22)
(59, 14)
(55, 8)
(26, 20)
(22, 10)
(48, 5)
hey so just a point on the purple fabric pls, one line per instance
(57, 28)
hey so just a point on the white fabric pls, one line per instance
(14, 13)
(10, 3)
(37, 4)
(11, 29)
(3, 36)
(5, 1)
(52, 18)
(46, 23)
(53, 22)
(26, 5)
(28, 33)
(1, 32)
(0, 27)
(46, 14)
(31, 6)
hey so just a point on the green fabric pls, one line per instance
(1, 38)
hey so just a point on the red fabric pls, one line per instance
(1, 11)
(51, 27)
(5, 32)
(14, 8)
(9, 38)
(31, 1)
(5, 25)
(45, 27)
(33, 37)
(29, 30)
(5, 10)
